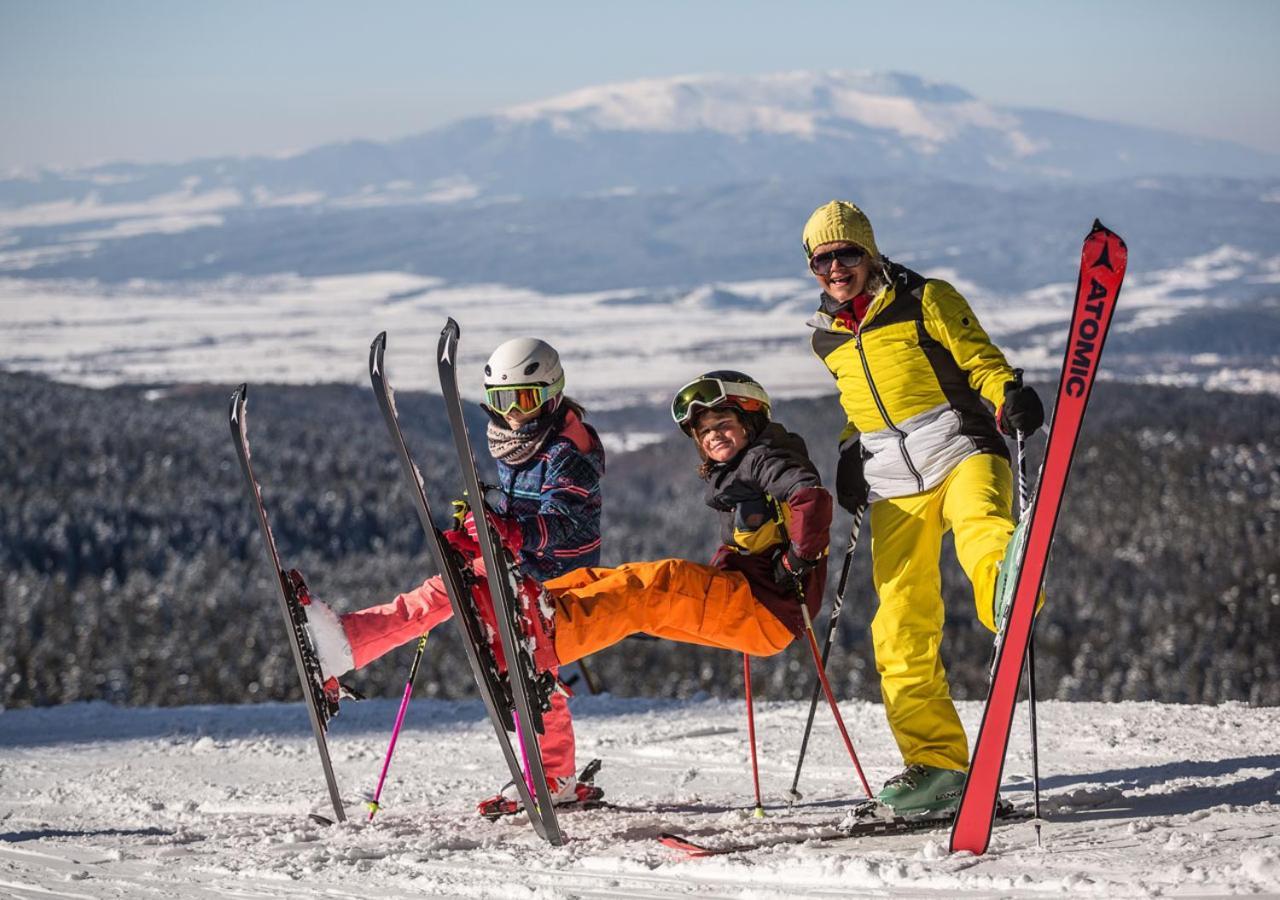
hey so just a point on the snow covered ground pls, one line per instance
(621, 346)
(95, 801)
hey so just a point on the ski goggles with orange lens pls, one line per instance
(849, 257)
(709, 393)
(523, 398)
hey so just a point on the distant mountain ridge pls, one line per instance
(679, 132)
(806, 105)
(1008, 240)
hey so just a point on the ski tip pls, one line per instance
(376, 350)
(238, 399)
(1114, 249)
(683, 844)
(319, 819)
(449, 336)
(1099, 228)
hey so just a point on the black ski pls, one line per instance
(522, 675)
(864, 829)
(293, 600)
(457, 582)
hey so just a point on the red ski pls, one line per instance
(1102, 266)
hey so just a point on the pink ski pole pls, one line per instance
(395, 732)
(751, 735)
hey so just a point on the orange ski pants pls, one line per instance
(670, 598)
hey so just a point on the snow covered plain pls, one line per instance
(96, 801)
(622, 346)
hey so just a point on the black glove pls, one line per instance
(851, 486)
(790, 569)
(1021, 410)
(735, 494)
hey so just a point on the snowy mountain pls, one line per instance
(709, 128)
(688, 131)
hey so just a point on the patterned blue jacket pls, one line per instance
(556, 499)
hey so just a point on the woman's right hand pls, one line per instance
(851, 483)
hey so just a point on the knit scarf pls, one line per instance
(515, 447)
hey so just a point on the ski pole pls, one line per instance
(593, 686)
(1024, 501)
(395, 732)
(793, 795)
(831, 697)
(751, 734)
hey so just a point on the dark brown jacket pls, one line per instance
(768, 496)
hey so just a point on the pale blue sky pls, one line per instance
(87, 81)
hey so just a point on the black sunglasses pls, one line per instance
(848, 256)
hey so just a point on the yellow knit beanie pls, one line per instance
(839, 220)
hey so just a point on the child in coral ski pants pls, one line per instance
(546, 508)
(380, 629)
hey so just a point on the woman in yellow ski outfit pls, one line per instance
(913, 368)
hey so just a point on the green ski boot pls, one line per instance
(922, 791)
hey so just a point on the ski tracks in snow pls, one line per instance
(212, 802)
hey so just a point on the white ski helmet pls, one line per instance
(522, 374)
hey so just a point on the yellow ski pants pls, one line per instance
(973, 502)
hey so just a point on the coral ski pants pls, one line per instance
(671, 598)
(973, 502)
(380, 629)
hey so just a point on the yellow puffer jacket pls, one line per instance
(912, 380)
